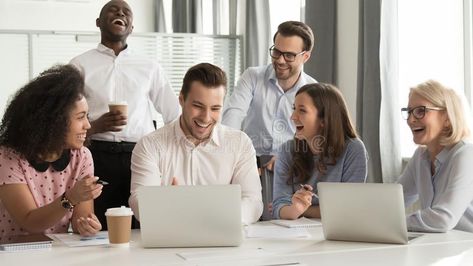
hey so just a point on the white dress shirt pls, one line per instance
(127, 77)
(446, 198)
(226, 158)
(261, 108)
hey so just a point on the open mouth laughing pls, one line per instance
(203, 125)
(119, 22)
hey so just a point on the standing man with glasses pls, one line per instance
(261, 103)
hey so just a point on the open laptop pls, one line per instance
(190, 216)
(363, 212)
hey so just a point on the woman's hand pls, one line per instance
(302, 199)
(84, 189)
(88, 226)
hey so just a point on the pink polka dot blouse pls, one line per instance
(44, 186)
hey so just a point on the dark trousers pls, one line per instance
(112, 164)
(266, 178)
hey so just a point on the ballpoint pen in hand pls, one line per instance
(307, 189)
(101, 182)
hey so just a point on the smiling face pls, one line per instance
(115, 21)
(78, 125)
(306, 118)
(427, 130)
(201, 110)
(289, 71)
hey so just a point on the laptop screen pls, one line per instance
(190, 216)
(367, 212)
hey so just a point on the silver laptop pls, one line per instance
(363, 212)
(190, 216)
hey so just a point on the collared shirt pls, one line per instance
(226, 158)
(351, 166)
(45, 186)
(137, 80)
(446, 197)
(261, 108)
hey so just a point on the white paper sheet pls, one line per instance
(75, 240)
(302, 222)
(274, 231)
(225, 254)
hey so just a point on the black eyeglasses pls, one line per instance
(288, 56)
(418, 112)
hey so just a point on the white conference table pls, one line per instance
(452, 248)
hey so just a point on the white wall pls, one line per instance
(347, 46)
(61, 15)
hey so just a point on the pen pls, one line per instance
(101, 182)
(306, 189)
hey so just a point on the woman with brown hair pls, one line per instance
(326, 148)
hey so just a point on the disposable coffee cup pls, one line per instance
(118, 106)
(121, 107)
(119, 226)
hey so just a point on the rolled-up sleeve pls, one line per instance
(238, 104)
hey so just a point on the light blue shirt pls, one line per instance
(260, 107)
(351, 166)
(446, 198)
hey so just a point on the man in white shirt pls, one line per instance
(196, 149)
(114, 74)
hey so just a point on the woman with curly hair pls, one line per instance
(325, 148)
(46, 174)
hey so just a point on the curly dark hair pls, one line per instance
(36, 120)
(338, 128)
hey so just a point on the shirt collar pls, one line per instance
(58, 165)
(274, 80)
(441, 157)
(215, 137)
(106, 50)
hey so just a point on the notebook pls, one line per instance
(190, 216)
(363, 212)
(302, 222)
(25, 242)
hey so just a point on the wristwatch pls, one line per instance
(66, 203)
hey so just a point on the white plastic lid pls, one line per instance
(118, 103)
(122, 211)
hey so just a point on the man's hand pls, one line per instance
(270, 164)
(111, 121)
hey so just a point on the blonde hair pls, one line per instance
(456, 107)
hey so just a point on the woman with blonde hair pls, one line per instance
(325, 148)
(439, 173)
